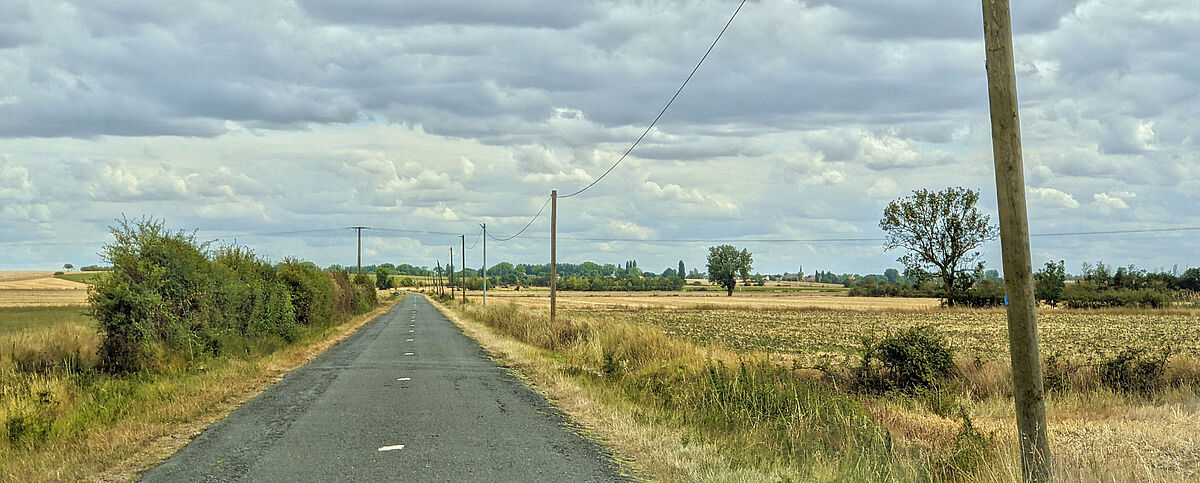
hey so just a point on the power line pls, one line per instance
(527, 225)
(477, 237)
(664, 109)
(280, 233)
(1115, 232)
(426, 232)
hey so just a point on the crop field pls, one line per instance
(40, 289)
(1096, 434)
(810, 335)
(712, 300)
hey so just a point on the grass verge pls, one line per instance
(675, 411)
(64, 424)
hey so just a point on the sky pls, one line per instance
(241, 118)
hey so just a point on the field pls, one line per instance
(753, 300)
(40, 289)
(1096, 434)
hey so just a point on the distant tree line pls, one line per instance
(1096, 286)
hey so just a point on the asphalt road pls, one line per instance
(408, 378)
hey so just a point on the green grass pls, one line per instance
(20, 319)
(88, 278)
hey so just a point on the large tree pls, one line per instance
(942, 231)
(681, 271)
(726, 263)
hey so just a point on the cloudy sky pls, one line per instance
(808, 117)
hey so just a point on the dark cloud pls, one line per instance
(524, 13)
(804, 121)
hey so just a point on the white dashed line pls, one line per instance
(409, 340)
(404, 379)
(408, 353)
(393, 447)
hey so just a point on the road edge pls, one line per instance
(159, 449)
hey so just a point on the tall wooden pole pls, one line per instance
(451, 267)
(553, 254)
(1014, 242)
(359, 229)
(463, 238)
(484, 265)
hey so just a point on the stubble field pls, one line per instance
(1096, 434)
(39, 289)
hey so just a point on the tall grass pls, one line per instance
(760, 414)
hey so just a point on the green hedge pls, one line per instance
(170, 297)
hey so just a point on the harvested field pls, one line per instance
(39, 289)
(1096, 434)
(715, 300)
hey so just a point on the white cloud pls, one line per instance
(289, 115)
(1109, 203)
(883, 188)
(1051, 198)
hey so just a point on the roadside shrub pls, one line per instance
(1134, 371)
(311, 291)
(911, 361)
(170, 298)
(156, 299)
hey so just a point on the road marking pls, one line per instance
(393, 447)
(408, 353)
(404, 379)
(409, 340)
(411, 331)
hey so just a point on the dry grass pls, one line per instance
(1096, 434)
(109, 428)
(650, 398)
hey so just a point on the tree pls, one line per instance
(681, 271)
(383, 279)
(726, 263)
(892, 275)
(1049, 282)
(941, 230)
(68, 267)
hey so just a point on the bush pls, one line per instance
(1134, 371)
(169, 297)
(912, 360)
(1086, 295)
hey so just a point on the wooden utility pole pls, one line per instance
(1014, 242)
(360, 229)
(437, 279)
(463, 238)
(450, 266)
(553, 254)
(484, 226)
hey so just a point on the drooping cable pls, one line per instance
(664, 109)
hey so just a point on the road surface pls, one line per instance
(408, 397)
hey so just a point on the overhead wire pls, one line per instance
(478, 237)
(664, 109)
(527, 225)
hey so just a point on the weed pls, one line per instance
(1134, 371)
